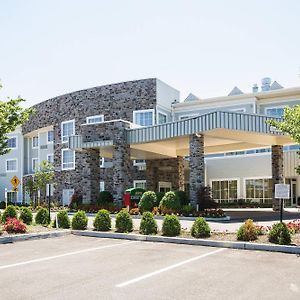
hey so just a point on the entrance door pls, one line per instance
(67, 195)
(294, 192)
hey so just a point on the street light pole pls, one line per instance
(49, 203)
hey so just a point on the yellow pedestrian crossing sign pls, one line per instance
(15, 182)
(15, 189)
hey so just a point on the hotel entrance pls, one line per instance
(293, 191)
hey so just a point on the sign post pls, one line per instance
(282, 191)
(5, 197)
(15, 182)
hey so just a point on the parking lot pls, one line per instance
(76, 267)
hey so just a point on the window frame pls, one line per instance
(184, 117)
(13, 137)
(144, 181)
(11, 159)
(32, 160)
(93, 117)
(255, 178)
(62, 160)
(135, 112)
(32, 143)
(48, 155)
(273, 107)
(101, 185)
(162, 113)
(50, 142)
(238, 188)
(62, 130)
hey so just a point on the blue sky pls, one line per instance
(205, 47)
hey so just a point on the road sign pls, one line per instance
(15, 181)
(282, 191)
(15, 189)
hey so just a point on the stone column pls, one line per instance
(277, 171)
(178, 182)
(151, 175)
(197, 167)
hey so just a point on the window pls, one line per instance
(35, 142)
(259, 189)
(102, 186)
(274, 111)
(187, 117)
(143, 117)
(50, 158)
(11, 165)
(164, 186)
(162, 118)
(67, 196)
(35, 163)
(12, 197)
(101, 162)
(139, 184)
(95, 119)
(68, 159)
(50, 136)
(224, 189)
(139, 162)
(67, 129)
(12, 143)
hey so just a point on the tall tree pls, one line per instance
(12, 115)
(290, 124)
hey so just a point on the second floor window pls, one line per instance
(35, 142)
(12, 143)
(68, 159)
(67, 129)
(162, 118)
(11, 165)
(143, 117)
(50, 136)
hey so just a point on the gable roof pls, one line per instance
(276, 86)
(191, 97)
(235, 91)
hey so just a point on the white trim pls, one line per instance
(165, 184)
(253, 178)
(11, 171)
(139, 181)
(139, 164)
(47, 136)
(240, 155)
(34, 158)
(102, 183)
(61, 134)
(93, 117)
(102, 162)
(142, 111)
(238, 185)
(35, 147)
(183, 117)
(62, 158)
(241, 109)
(11, 137)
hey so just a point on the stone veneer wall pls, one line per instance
(277, 171)
(115, 101)
(197, 167)
(169, 170)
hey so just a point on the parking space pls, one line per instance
(93, 268)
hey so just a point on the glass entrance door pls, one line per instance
(294, 192)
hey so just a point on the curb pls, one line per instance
(187, 241)
(33, 236)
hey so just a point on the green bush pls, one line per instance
(105, 198)
(9, 212)
(187, 210)
(42, 216)
(63, 219)
(169, 203)
(247, 231)
(182, 197)
(79, 220)
(200, 228)
(159, 196)
(26, 215)
(124, 222)
(147, 201)
(148, 224)
(279, 234)
(102, 220)
(171, 226)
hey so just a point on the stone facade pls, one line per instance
(197, 167)
(277, 171)
(168, 170)
(115, 101)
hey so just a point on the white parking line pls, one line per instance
(167, 268)
(63, 255)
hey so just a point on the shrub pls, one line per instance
(102, 220)
(148, 224)
(79, 220)
(3, 204)
(182, 197)
(200, 228)
(147, 201)
(205, 198)
(104, 198)
(247, 231)
(76, 200)
(171, 226)
(279, 234)
(124, 222)
(159, 196)
(63, 219)
(134, 211)
(9, 212)
(187, 210)
(42, 216)
(169, 202)
(26, 215)
(13, 225)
